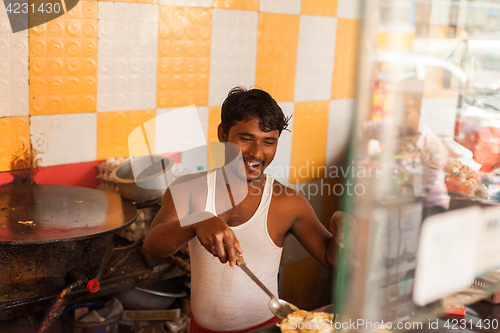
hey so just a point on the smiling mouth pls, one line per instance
(252, 164)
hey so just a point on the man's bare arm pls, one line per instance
(313, 236)
(165, 235)
(169, 232)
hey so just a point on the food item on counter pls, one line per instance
(301, 321)
(462, 179)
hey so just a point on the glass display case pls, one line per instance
(426, 149)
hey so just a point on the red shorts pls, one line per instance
(196, 328)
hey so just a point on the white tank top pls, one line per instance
(224, 298)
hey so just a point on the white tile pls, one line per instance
(194, 158)
(233, 52)
(4, 21)
(350, 9)
(178, 129)
(105, 84)
(5, 84)
(4, 67)
(18, 46)
(19, 105)
(126, 50)
(187, 3)
(65, 138)
(14, 90)
(280, 166)
(280, 6)
(104, 48)
(105, 27)
(340, 117)
(104, 100)
(106, 11)
(19, 66)
(315, 58)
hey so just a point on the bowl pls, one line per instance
(143, 178)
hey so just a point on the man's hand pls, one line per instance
(338, 224)
(218, 239)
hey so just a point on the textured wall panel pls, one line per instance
(346, 59)
(183, 56)
(310, 127)
(64, 57)
(315, 58)
(277, 54)
(13, 69)
(64, 138)
(127, 57)
(14, 143)
(233, 52)
(114, 128)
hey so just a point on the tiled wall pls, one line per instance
(106, 67)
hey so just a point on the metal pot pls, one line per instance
(155, 296)
(51, 234)
(144, 178)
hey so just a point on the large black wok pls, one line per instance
(51, 235)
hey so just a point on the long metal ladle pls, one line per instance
(278, 307)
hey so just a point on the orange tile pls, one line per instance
(63, 62)
(213, 123)
(237, 4)
(183, 56)
(114, 128)
(277, 45)
(319, 7)
(310, 127)
(346, 59)
(15, 152)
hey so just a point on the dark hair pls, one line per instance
(242, 104)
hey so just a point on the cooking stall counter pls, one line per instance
(53, 236)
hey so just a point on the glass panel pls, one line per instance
(426, 141)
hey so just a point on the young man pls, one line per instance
(238, 208)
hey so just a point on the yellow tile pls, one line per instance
(310, 127)
(319, 7)
(63, 62)
(346, 59)
(114, 128)
(183, 56)
(237, 4)
(15, 152)
(277, 54)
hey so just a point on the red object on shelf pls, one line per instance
(455, 311)
(93, 286)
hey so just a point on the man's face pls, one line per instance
(257, 147)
